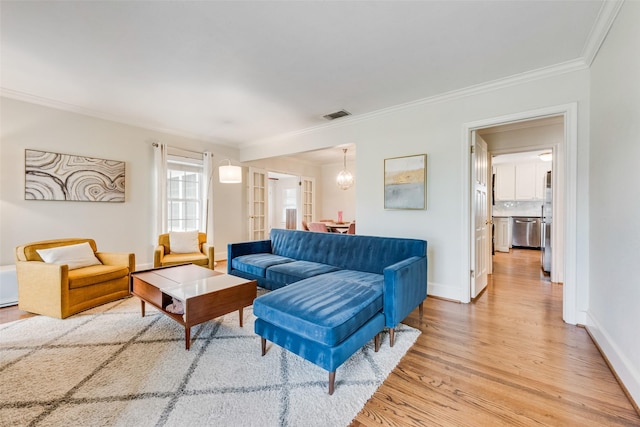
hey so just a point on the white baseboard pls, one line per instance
(444, 291)
(623, 367)
(8, 285)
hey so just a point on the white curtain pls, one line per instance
(160, 189)
(207, 205)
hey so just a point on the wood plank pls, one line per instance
(506, 359)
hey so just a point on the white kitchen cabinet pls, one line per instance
(520, 181)
(525, 181)
(505, 182)
(502, 235)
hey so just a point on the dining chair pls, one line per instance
(352, 228)
(318, 226)
(305, 226)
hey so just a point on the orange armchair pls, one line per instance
(163, 256)
(58, 289)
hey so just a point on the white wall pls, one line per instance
(436, 128)
(122, 227)
(614, 316)
(333, 198)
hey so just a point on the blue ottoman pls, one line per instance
(321, 319)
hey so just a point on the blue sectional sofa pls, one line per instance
(332, 293)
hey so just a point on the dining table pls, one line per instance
(339, 227)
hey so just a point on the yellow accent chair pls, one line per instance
(163, 256)
(60, 290)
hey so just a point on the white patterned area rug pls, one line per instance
(111, 367)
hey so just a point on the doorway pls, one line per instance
(283, 200)
(565, 177)
(278, 200)
(521, 157)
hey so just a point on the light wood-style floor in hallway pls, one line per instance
(506, 359)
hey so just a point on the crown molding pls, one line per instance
(59, 105)
(604, 21)
(517, 79)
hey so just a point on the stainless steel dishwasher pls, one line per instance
(525, 232)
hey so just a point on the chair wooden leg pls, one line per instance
(376, 341)
(332, 381)
(392, 336)
(263, 342)
(421, 309)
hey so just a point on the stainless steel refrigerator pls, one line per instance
(546, 222)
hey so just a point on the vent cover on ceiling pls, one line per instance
(337, 115)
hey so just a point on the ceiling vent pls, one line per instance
(337, 115)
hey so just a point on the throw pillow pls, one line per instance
(184, 242)
(75, 256)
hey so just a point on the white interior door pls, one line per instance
(480, 227)
(258, 204)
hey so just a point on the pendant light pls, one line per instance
(230, 174)
(344, 178)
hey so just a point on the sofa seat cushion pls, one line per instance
(197, 258)
(95, 274)
(320, 308)
(257, 264)
(295, 271)
(370, 279)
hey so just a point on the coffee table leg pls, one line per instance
(240, 313)
(187, 337)
(142, 307)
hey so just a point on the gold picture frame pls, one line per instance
(405, 182)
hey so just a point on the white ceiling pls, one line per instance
(240, 72)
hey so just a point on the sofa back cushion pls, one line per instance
(29, 252)
(353, 252)
(164, 240)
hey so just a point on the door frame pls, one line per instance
(565, 161)
(251, 203)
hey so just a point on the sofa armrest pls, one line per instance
(118, 258)
(235, 250)
(209, 251)
(158, 254)
(39, 281)
(405, 287)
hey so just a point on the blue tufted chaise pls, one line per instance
(332, 293)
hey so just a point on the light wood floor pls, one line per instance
(506, 359)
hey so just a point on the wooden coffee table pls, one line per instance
(205, 294)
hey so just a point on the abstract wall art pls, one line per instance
(405, 182)
(55, 176)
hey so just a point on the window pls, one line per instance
(185, 189)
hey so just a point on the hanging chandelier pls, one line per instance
(344, 178)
